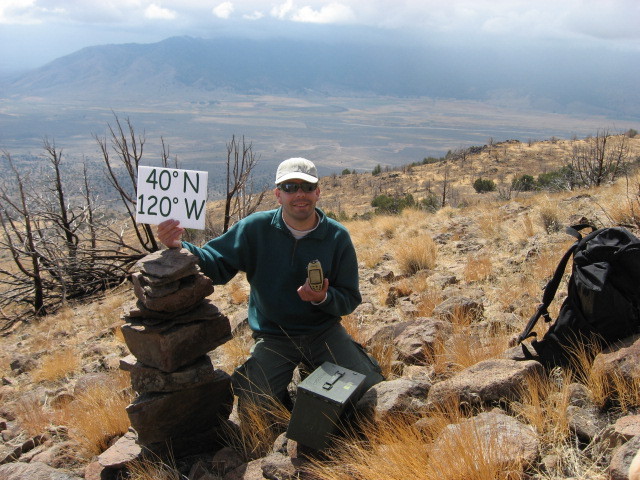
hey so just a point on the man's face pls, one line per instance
(298, 206)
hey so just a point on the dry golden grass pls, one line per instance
(415, 252)
(429, 299)
(235, 351)
(550, 215)
(238, 290)
(150, 469)
(624, 212)
(118, 336)
(606, 388)
(625, 393)
(399, 449)
(98, 414)
(478, 268)
(371, 255)
(260, 425)
(108, 311)
(385, 225)
(490, 223)
(571, 462)
(463, 348)
(382, 349)
(544, 405)
(418, 283)
(32, 414)
(528, 228)
(370, 244)
(466, 349)
(47, 331)
(57, 365)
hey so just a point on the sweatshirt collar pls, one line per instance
(319, 232)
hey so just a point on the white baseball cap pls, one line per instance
(297, 168)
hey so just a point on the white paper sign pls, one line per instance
(169, 193)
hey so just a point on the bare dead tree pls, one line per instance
(600, 159)
(20, 241)
(241, 198)
(129, 147)
(445, 186)
(60, 243)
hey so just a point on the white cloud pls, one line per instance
(332, 13)
(156, 12)
(255, 15)
(20, 12)
(224, 10)
(282, 10)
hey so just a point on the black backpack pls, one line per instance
(603, 297)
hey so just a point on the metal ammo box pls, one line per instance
(325, 396)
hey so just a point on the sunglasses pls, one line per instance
(291, 187)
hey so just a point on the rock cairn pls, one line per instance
(182, 400)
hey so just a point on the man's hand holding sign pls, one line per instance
(178, 196)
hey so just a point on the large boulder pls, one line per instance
(487, 382)
(498, 439)
(393, 397)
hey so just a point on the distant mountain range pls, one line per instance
(551, 81)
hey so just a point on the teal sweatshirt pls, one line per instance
(275, 263)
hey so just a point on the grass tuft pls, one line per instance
(415, 253)
(32, 414)
(260, 425)
(478, 268)
(423, 450)
(57, 365)
(98, 415)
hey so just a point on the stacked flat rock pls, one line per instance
(182, 400)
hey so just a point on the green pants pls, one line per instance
(269, 369)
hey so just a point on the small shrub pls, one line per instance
(384, 204)
(525, 183)
(431, 203)
(431, 160)
(562, 179)
(482, 185)
(376, 170)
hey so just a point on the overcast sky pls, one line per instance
(34, 32)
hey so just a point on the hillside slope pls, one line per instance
(497, 251)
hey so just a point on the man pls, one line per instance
(291, 322)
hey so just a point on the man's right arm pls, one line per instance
(170, 233)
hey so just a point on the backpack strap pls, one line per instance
(552, 286)
(574, 230)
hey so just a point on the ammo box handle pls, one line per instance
(331, 382)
